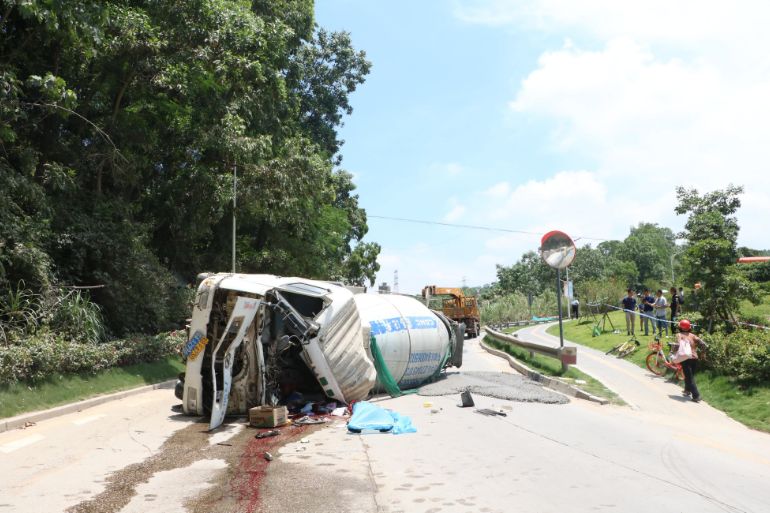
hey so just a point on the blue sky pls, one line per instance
(547, 114)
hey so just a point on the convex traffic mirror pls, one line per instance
(557, 249)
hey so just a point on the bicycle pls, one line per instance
(626, 348)
(659, 363)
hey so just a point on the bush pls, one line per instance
(514, 307)
(78, 318)
(47, 354)
(603, 292)
(743, 355)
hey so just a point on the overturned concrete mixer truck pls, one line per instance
(256, 338)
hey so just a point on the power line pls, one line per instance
(470, 226)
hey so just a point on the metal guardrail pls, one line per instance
(566, 355)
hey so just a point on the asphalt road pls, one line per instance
(663, 455)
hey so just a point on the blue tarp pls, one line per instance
(370, 417)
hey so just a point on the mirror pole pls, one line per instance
(558, 302)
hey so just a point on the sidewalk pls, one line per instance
(36, 416)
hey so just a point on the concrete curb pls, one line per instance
(37, 416)
(546, 381)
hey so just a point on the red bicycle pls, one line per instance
(659, 363)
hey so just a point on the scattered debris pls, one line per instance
(268, 456)
(225, 444)
(491, 413)
(268, 416)
(266, 434)
(340, 412)
(467, 399)
(309, 421)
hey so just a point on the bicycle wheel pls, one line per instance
(614, 349)
(655, 364)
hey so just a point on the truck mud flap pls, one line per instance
(243, 313)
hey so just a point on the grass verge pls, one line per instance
(749, 405)
(550, 367)
(62, 389)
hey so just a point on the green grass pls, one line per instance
(762, 310)
(551, 367)
(62, 389)
(748, 405)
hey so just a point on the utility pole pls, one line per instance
(235, 192)
(395, 281)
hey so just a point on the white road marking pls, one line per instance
(18, 444)
(86, 420)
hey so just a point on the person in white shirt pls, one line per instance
(660, 307)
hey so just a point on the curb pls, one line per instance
(21, 420)
(546, 381)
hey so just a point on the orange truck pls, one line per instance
(457, 306)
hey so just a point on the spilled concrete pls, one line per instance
(500, 385)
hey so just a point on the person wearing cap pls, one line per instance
(629, 306)
(685, 336)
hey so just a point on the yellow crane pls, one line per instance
(457, 306)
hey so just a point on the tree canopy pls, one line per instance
(122, 123)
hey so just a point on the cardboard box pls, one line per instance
(268, 416)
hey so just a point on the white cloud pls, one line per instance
(498, 190)
(657, 94)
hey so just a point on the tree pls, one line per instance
(529, 276)
(122, 122)
(651, 249)
(709, 257)
(589, 264)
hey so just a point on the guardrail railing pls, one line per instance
(566, 355)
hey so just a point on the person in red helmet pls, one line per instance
(687, 356)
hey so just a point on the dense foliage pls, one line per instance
(122, 123)
(742, 354)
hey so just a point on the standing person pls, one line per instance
(575, 308)
(660, 305)
(676, 306)
(629, 306)
(647, 306)
(690, 363)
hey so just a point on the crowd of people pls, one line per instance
(655, 312)
(652, 313)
